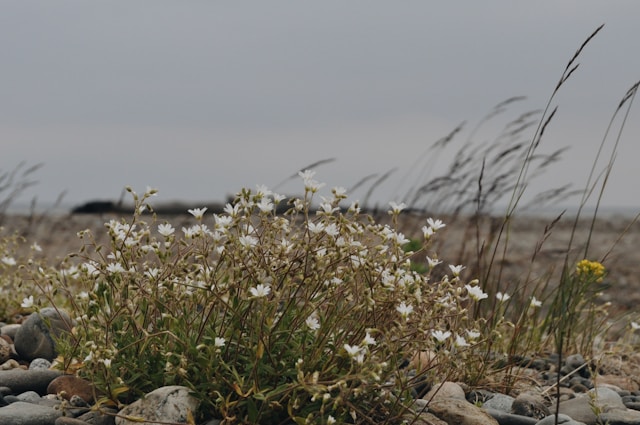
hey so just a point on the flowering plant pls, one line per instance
(310, 315)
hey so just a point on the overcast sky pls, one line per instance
(201, 98)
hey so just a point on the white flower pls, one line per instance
(404, 309)
(27, 302)
(475, 292)
(260, 290)
(9, 261)
(535, 303)
(310, 184)
(107, 363)
(166, 229)
(115, 268)
(198, 213)
(369, 340)
(435, 224)
(352, 350)
(36, 247)
(427, 232)
(332, 230)
(315, 228)
(456, 269)
(248, 241)
(461, 342)
(331, 420)
(440, 335)
(473, 334)
(219, 341)
(502, 297)
(433, 262)
(312, 323)
(397, 208)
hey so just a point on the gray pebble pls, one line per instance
(39, 364)
(21, 413)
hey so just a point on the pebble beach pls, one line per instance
(33, 393)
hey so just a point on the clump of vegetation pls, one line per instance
(309, 315)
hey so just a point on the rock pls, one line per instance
(29, 396)
(10, 364)
(422, 360)
(39, 364)
(581, 408)
(530, 405)
(10, 330)
(620, 417)
(445, 390)
(562, 419)
(5, 350)
(505, 418)
(460, 412)
(99, 418)
(68, 386)
(499, 402)
(21, 413)
(421, 419)
(20, 380)
(69, 421)
(166, 404)
(34, 339)
(622, 382)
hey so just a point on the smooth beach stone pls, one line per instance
(530, 405)
(39, 364)
(70, 421)
(445, 390)
(500, 402)
(21, 413)
(68, 386)
(5, 350)
(20, 380)
(166, 404)
(562, 419)
(10, 330)
(505, 418)
(10, 364)
(29, 396)
(581, 407)
(99, 418)
(34, 339)
(461, 412)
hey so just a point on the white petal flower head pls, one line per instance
(441, 336)
(352, 350)
(219, 342)
(260, 290)
(432, 262)
(369, 340)
(535, 303)
(476, 293)
(312, 323)
(248, 241)
(27, 302)
(502, 297)
(435, 224)
(456, 269)
(198, 213)
(427, 232)
(315, 227)
(166, 229)
(9, 261)
(397, 208)
(404, 309)
(473, 334)
(115, 268)
(461, 342)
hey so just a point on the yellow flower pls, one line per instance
(591, 270)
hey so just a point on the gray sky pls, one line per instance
(201, 98)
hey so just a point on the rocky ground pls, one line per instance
(25, 377)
